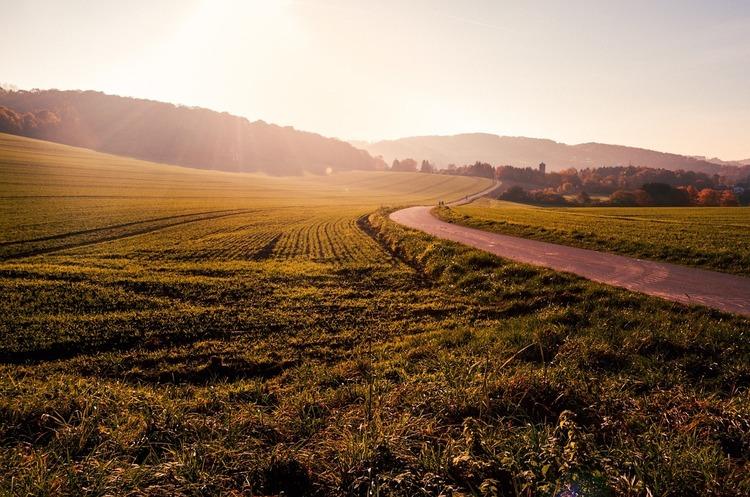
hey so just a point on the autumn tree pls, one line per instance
(692, 193)
(709, 197)
(728, 199)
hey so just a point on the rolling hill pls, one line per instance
(716, 160)
(55, 195)
(520, 151)
(163, 132)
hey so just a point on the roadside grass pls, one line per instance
(710, 237)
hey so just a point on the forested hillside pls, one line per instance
(162, 132)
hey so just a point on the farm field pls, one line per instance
(710, 237)
(68, 190)
(168, 331)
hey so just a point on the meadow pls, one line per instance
(176, 332)
(710, 237)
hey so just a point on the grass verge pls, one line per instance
(715, 238)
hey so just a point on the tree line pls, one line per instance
(622, 185)
(648, 195)
(480, 169)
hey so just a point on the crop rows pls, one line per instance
(327, 239)
(317, 235)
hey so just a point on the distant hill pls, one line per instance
(716, 160)
(520, 151)
(162, 132)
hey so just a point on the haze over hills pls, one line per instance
(162, 132)
(206, 139)
(521, 151)
(716, 160)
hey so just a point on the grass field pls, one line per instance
(177, 332)
(70, 197)
(710, 237)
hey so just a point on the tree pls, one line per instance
(380, 164)
(566, 187)
(728, 199)
(515, 194)
(583, 198)
(481, 169)
(642, 197)
(10, 121)
(664, 194)
(692, 194)
(623, 198)
(427, 167)
(548, 198)
(405, 165)
(709, 197)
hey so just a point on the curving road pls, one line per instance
(726, 292)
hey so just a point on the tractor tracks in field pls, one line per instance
(267, 251)
(107, 235)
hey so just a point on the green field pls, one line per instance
(710, 237)
(70, 196)
(168, 331)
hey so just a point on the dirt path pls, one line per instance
(686, 285)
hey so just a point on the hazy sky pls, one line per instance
(668, 75)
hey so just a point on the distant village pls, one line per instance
(607, 185)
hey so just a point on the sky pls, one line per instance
(667, 75)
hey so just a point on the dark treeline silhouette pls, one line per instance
(404, 165)
(162, 132)
(517, 193)
(607, 180)
(480, 169)
(648, 195)
(427, 167)
(410, 166)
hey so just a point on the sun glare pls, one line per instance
(245, 35)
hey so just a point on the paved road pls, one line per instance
(683, 284)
